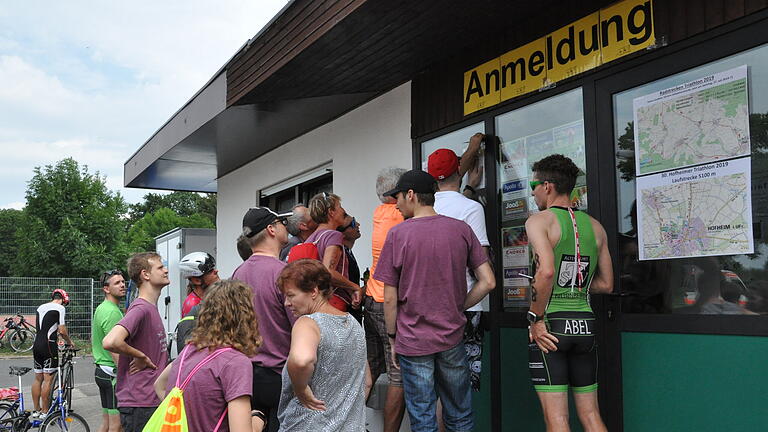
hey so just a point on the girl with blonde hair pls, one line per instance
(218, 352)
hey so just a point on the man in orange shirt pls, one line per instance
(380, 359)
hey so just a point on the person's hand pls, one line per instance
(544, 339)
(357, 298)
(475, 140)
(475, 175)
(139, 364)
(308, 399)
(393, 353)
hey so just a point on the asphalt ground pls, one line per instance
(85, 395)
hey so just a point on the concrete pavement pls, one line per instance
(85, 395)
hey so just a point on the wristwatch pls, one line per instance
(533, 318)
(392, 335)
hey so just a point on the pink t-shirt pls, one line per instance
(147, 334)
(326, 238)
(275, 320)
(191, 301)
(223, 379)
(426, 259)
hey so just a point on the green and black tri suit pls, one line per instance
(569, 315)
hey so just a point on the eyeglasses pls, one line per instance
(352, 224)
(108, 274)
(282, 221)
(534, 183)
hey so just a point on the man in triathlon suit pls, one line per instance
(562, 352)
(49, 323)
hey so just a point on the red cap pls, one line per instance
(442, 163)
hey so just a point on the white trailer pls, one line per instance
(172, 246)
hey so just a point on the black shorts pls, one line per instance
(574, 363)
(267, 386)
(106, 384)
(46, 357)
(134, 419)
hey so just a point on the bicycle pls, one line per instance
(65, 370)
(14, 418)
(21, 334)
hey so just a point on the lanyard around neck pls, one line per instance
(578, 253)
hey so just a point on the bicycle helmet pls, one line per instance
(63, 294)
(196, 264)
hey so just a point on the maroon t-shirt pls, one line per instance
(426, 259)
(326, 238)
(275, 320)
(147, 334)
(223, 379)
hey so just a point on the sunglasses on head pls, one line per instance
(108, 274)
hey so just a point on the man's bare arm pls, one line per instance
(469, 157)
(602, 282)
(486, 282)
(541, 286)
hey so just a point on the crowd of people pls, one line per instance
(296, 338)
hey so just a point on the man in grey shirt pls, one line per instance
(300, 226)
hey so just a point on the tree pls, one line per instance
(184, 204)
(141, 236)
(72, 225)
(10, 220)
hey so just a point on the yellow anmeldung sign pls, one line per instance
(604, 36)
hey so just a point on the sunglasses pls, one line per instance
(352, 224)
(108, 274)
(282, 221)
(534, 183)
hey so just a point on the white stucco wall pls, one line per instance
(359, 144)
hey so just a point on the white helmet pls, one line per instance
(196, 264)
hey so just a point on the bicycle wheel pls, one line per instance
(68, 384)
(71, 423)
(7, 412)
(22, 340)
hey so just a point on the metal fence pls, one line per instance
(24, 295)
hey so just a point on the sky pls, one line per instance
(94, 80)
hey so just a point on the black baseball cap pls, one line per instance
(417, 180)
(257, 218)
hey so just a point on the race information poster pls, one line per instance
(697, 122)
(699, 211)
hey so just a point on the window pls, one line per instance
(458, 142)
(690, 276)
(283, 197)
(554, 125)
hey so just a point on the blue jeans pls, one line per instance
(444, 374)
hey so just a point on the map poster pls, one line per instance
(693, 123)
(704, 210)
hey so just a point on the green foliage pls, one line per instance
(9, 223)
(141, 236)
(184, 204)
(72, 225)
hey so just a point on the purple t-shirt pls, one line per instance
(426, 259)
(326, 238)
(147, 334)
(223, 379)
(275, 320)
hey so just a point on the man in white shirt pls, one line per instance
(444, 166)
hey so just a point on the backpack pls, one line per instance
(306, 250)
(170, 416)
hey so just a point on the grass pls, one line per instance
(7, 351)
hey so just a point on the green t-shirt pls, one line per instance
(104, 318)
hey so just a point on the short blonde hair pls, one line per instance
(139, 262)
(321, 204)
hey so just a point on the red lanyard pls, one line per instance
(578, 253)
